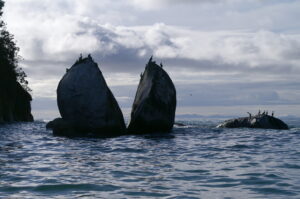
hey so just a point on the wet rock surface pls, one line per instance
(258, 121)
(86, 104)
(154, 106)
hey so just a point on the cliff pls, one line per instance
(14, 103)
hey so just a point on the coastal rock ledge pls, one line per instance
(86, 104)
(263, 121)
(154, 106)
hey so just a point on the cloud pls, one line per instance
(122, 52)
(221, 52)
(157, 4)
(127, 47)
(237, 93)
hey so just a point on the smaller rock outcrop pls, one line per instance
(263, 121)
(86, 104)
(154, 106)
(61, 127)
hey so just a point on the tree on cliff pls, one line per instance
(9, 70)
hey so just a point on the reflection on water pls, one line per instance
(194, 161)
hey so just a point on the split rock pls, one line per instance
(86, 104)
(154, 106)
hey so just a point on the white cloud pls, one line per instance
(224, 43)
(219, 57)
(235, 51)
(156, 4)
(246, 49)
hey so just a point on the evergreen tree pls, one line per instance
(9, 70)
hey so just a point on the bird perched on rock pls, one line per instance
(249, 114)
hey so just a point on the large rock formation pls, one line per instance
(154, 106)
(263, 121)
(86, 104)
(14, 103)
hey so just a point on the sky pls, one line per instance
(224, 56)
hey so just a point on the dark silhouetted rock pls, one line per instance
(154, 106)
(70, 129)
(258, 121)
(52, 124)
(86, 104)
(14, 103)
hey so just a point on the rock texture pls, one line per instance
(154, 106)
(86, 104)
(258, 121)
(14, 103)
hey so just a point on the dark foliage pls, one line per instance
(9, 70)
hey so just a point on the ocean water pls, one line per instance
(195, 161)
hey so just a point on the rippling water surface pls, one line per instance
(196, 161)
